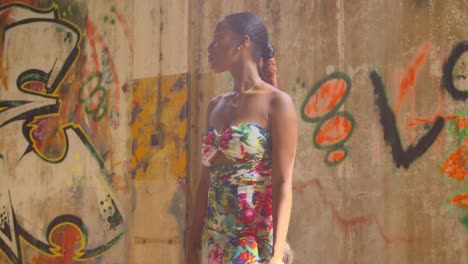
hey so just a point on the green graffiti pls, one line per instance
(99, 111)
(464, 221)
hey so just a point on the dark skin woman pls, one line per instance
(244, 198)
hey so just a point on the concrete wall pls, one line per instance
(65, 192)
(355, 70)
(102, 105)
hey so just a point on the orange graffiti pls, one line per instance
(408, 81)
(429, 120)
(126, 30)
(326, 98)
(462, 123)
(334, 130)
(336, 156)
(460, 200)
(456, 166)
(90, 29)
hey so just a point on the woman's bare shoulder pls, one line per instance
(280, 99)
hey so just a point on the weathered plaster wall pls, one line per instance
(102, 105)
(362, 195)
(65, 194)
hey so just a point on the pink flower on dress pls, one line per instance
(225, 139)
(206, 150)
(210, 138)
(215, 256)
(263, 168)
(263, 202)
(247, 215)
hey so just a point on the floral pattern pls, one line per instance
(241, 143)
(238, 226)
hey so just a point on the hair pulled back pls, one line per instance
(246, 23)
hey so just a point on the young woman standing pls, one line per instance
(244, 198)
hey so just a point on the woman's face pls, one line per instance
(223, 51)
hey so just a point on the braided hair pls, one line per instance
(246, 23)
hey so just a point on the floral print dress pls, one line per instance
(238, 226)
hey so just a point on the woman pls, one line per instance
(244, 198)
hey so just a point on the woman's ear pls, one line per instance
(244, 41)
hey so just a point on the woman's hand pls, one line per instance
(275, 260)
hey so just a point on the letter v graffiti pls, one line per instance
(401, 157)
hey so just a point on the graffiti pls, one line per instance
(408, 81)
(110, 18)
(67, 240)
(321, 106)
(456, 165)
(95, 105)
(42, 145)
(349, 226)
(455, 72)
(401, 157)
(105, 70)
(460, 200)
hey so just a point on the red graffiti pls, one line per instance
(67, 241)
(35, 87)
(126, 31)
(90, 30)
(348, 225)
(48, 138)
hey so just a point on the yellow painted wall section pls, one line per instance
(159, 127)
(159, 121)
(380, 90)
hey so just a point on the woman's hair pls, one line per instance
(249, 24)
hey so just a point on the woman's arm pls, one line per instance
(283, 128)
(198, 213)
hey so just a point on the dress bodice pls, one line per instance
(242, 143)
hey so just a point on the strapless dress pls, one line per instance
(238, 225)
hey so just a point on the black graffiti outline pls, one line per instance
(50, 110)
(401, 157)
(447, 78)
(71, 57)
(45, 248)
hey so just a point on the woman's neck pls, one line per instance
(245, 77)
